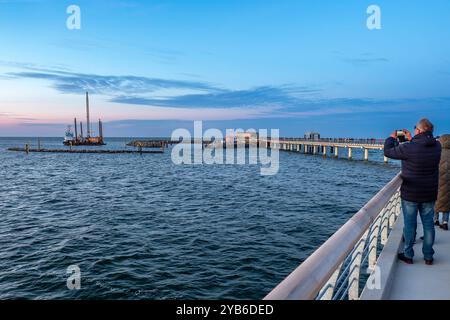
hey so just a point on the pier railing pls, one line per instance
(340, 268)
(368, 141)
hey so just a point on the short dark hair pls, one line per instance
(425, 125)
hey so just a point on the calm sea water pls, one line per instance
(140, 227)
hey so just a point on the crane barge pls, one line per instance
(74, 139)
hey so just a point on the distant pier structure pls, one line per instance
(312, 135)
(312, 143)
(76, 139)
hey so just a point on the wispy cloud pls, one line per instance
(281, 96)
(139, 90)
(167, 98)
(162, 55)
(70, 82)
(362, 59)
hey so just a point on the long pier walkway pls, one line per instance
(327, 146)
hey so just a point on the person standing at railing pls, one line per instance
(443, 201)
(420, 157)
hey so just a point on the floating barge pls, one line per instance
(79, 140)
(149, 143)
(162, 143)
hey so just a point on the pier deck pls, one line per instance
(419, 281)
(400, 281)
(364, 250)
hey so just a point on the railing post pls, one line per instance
(373, 243)
(395, 210)
(355, 269)
(328, 290)
(385, 223)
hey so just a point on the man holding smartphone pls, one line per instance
(420, 157)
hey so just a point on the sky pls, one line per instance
(153, 66)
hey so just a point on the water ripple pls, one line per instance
(140, 227)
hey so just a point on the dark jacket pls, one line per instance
(443, 201)
(420, 166)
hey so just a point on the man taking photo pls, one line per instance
(420, 157)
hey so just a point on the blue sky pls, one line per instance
(153, 66)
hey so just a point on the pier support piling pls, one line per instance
(350, 153)
(366, 154)
(336, 152)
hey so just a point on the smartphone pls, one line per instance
(401, 136)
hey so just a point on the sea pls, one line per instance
(142, 227)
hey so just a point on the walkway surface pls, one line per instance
(422, 282)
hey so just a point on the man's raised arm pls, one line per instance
(394, 150)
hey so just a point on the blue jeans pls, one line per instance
(445, 217)
(426, 212)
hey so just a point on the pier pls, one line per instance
(359, 261)
(326, 147)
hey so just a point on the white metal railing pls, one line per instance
(333, 272)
